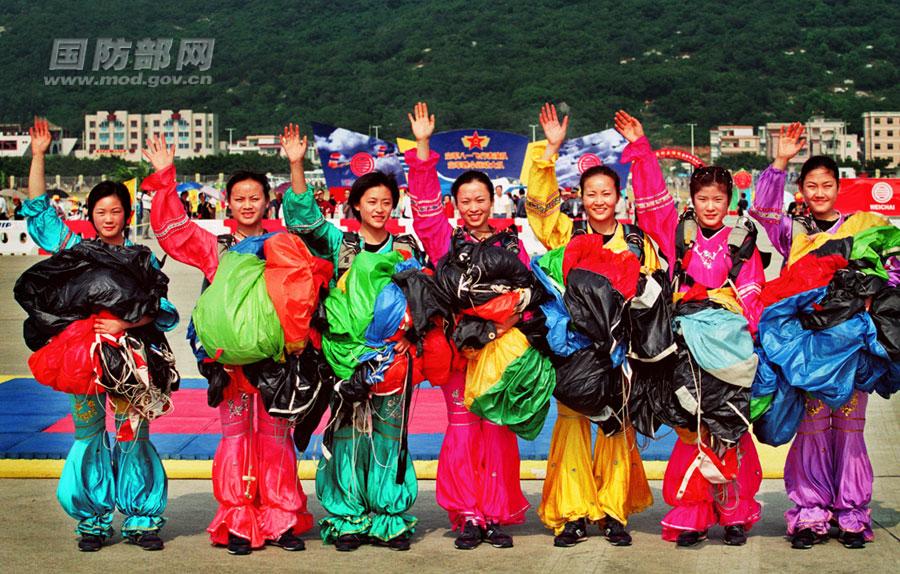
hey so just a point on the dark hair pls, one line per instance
(107, 189)
(599, 170)
(711, 175)
(366, 182)
(816, 162)
(240, 176)
(469, 177)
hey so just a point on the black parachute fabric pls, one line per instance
(85, 279)
(651, 404)
(298, 389)
(650, 317)
(885, 313)
(724, 408)
(117, 373)
(596, 307)
(215, 374)
(846, 296)
(587, 383)
(423, 301)
(473, 274)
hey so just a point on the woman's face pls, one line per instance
(599, 197)
(109, 218)
(247, 201)
(711, 205)
(473, 199)
(375, 206)
(820, 191)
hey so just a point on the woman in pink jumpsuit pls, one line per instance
(478, 467)
(697, 503)
(255, 467)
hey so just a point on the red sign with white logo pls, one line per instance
(880, 196)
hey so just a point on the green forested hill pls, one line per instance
(479, 64)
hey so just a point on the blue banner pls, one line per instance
(579, 154)
(496, 153)
(346, 155)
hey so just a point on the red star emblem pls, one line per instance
(475, 141)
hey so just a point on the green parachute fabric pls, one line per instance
(552, 264)
(510, 383)
(875, 245)
(350, 309)
(234, 318)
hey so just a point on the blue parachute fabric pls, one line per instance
(778, 425)
(827, 363)
(563, 341)
(254, 245)
(721, 343)
(390, 306)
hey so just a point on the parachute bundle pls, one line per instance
(270, 285)
(603, 308)
(84, 280)
(485, 285)
(831, 331)
(64, 296)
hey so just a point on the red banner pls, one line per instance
(880, 196)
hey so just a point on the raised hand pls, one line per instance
(40, 136)
(422, 124)
(790, 141)
(159, 153)
(629, 126)
(554, 131)
(293, 145)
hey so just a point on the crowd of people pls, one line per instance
(667, 320)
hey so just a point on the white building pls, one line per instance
(881, 133)
(120, 133)
(731, 140)
(15, 141)
(823, 136)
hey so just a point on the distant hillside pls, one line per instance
(356, 63)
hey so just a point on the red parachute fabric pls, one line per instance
(395, 376)
(809, 272)
(587, 252)
(439, 353)
(293, 278)
(65, 362)
(498, 309)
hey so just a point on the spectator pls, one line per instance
(186, 202)
(4, 209)
(449, 209)
(205, 210)
(274, 210)
(742, 204)
(503, 205)
(520, 205)
(17, 209)
(325, 206)
(146, 201)
(57, 207)
(572, 206)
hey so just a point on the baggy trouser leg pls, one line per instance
(86, 488)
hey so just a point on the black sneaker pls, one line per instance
(469, 538)
(852, 540)
(288, 541)
(400, 543)
(496, 537)
(735, 535)
(690, 538)
(349, 542)
(146, 540)
(804, 539)
(238, 546)
(572, 534)
(616, 533)
(90, 542)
